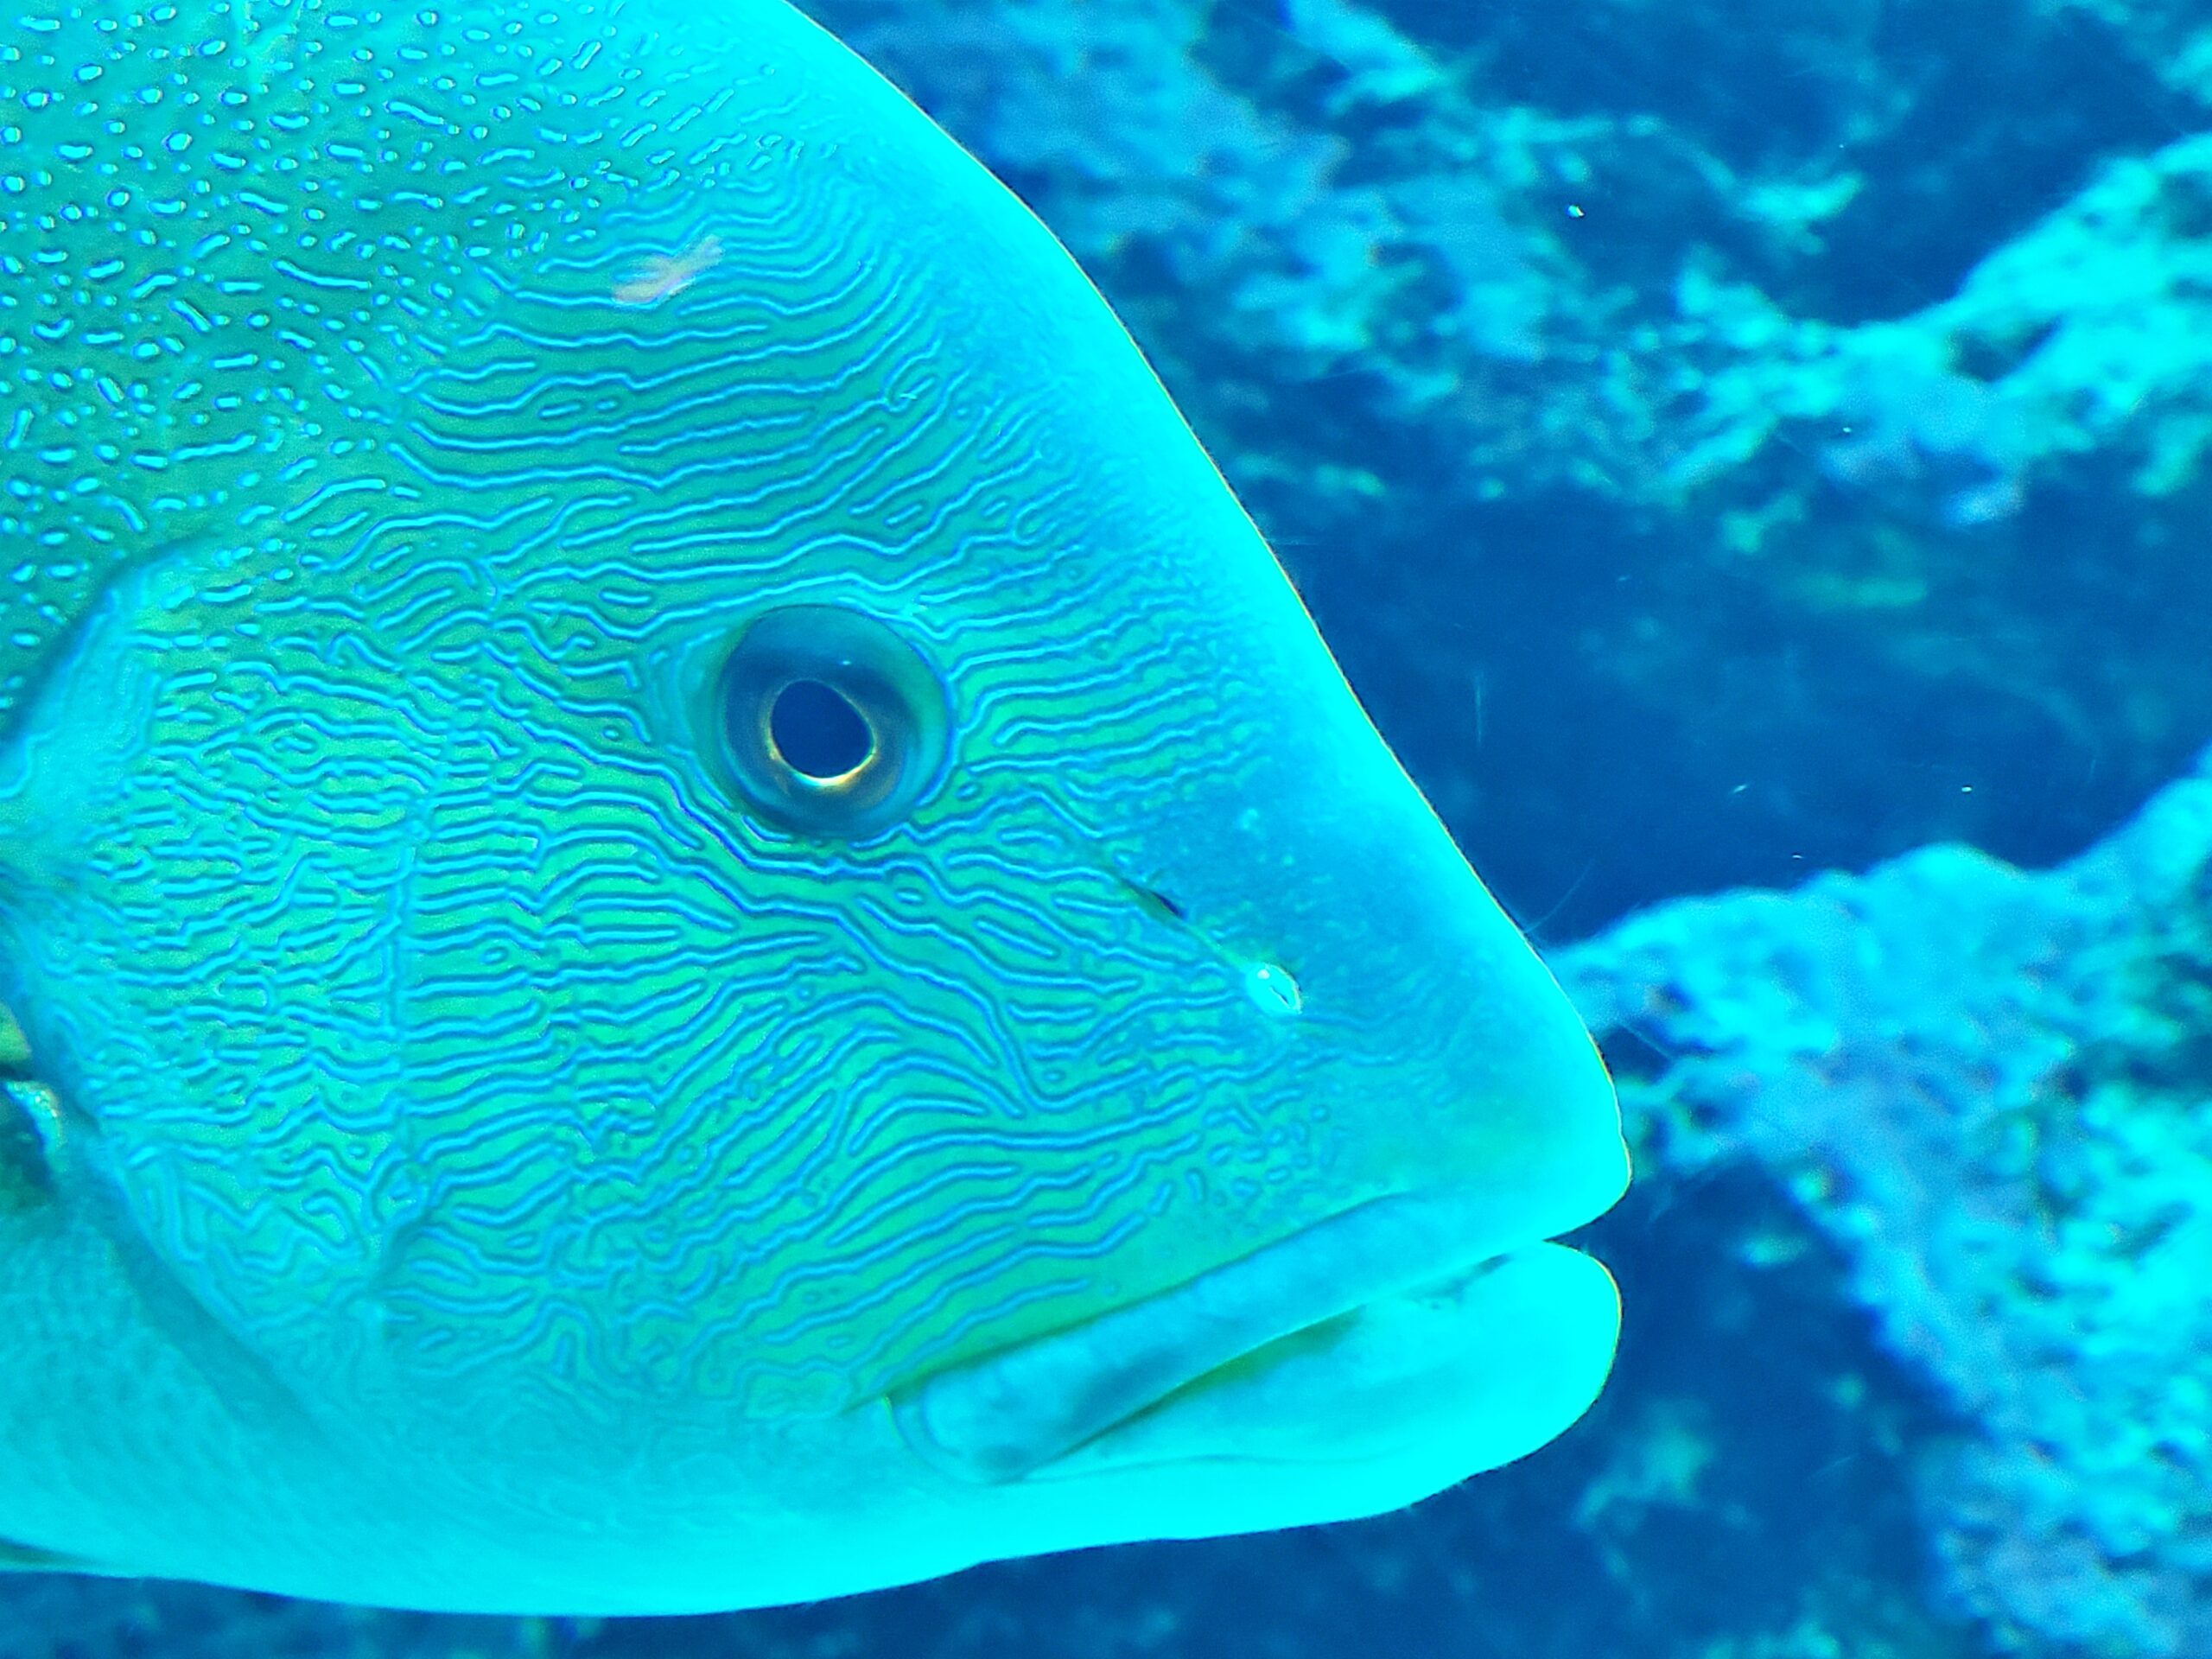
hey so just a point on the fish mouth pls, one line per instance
(1385, 1324)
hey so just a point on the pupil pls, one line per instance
(819, 732)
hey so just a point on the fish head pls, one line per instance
(740, 901)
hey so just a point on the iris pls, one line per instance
(830, 723)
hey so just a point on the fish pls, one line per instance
(683, 947)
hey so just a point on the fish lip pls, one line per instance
(1009, 1414)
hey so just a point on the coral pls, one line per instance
(2090, 333)
(2170, 37)
(1992, 1090)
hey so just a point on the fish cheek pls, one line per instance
(205, 833)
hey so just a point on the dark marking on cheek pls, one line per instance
(1163, 905)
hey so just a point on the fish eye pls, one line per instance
(830, 724)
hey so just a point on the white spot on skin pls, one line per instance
(1272, 988)
(660, 277)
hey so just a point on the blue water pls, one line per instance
(1722, 443)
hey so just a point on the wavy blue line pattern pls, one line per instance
(445, 1012)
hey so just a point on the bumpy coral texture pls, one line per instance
(1992, 1090)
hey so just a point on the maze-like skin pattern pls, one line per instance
(401, 412)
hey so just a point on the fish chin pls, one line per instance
(1403, 1339)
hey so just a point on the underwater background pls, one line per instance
(1725, 443)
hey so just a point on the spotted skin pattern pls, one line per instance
(453, 1041)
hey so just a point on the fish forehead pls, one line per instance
(232, 228)
(472, 1005)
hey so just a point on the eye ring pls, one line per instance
(828, 722)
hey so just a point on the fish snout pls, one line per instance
(1414, 1034)
(1402, 1314)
